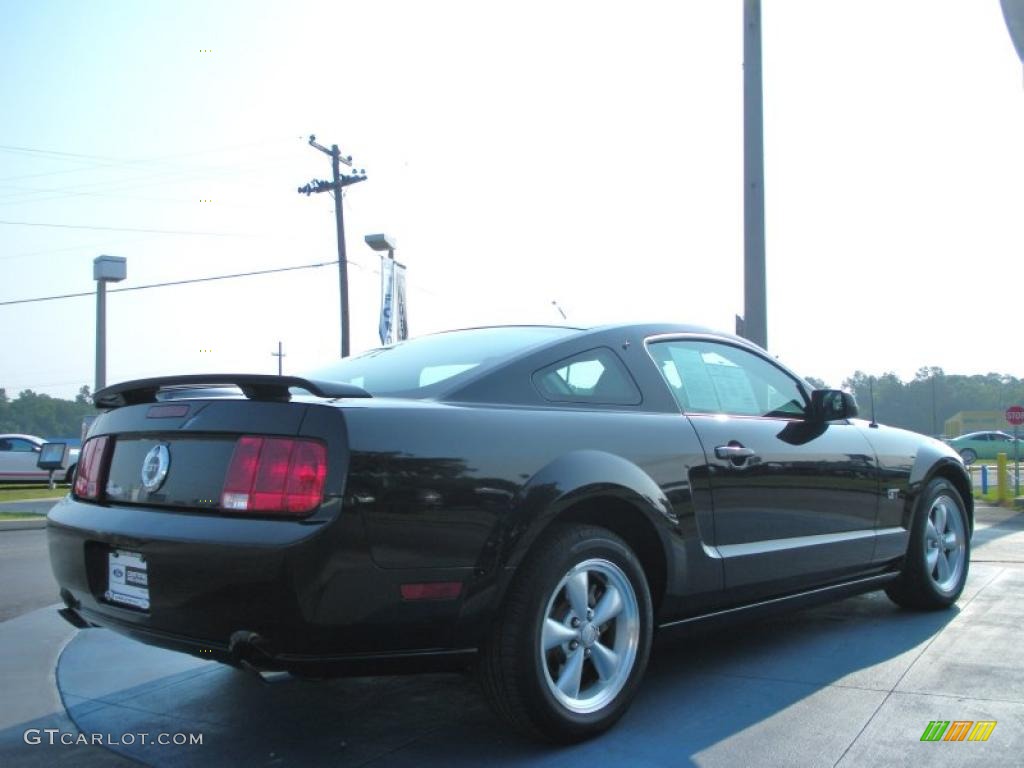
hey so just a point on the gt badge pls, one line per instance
(155, 466)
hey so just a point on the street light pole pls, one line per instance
(755, 314)
(112, 269)
(389, 301)
(101, 335)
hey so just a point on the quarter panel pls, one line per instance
(480, 483)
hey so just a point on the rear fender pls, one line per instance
(577, 477)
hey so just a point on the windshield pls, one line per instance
(417, 367)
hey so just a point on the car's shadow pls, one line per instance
(726, 685)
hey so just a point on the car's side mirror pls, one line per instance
(832, 405)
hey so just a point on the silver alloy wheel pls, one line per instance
(944, 537)
(590, 635)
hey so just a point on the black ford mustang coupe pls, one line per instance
(531, 502)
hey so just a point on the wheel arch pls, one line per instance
(955, 474)
(633, 527)
(951, 470)
(602, 489)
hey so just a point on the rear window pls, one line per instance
(423, 366)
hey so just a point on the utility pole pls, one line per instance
(338, 183)
(279, 355)
(755, 312)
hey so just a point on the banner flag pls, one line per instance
(387, 295)
(401, 306)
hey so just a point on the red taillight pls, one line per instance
(275, 474)
(90, 466)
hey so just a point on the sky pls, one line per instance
(589, 153)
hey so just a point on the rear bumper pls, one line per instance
(249, 650)
(274, 594)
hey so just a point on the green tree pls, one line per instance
(38, 414)
(933, 396)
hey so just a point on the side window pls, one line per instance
(708, 377)
(21, 446)
(594, 376)
(5, 445)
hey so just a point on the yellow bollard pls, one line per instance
(1003, 480)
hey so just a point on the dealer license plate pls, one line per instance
(128, 579)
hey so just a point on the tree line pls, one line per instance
(922, 404)
(32, 413)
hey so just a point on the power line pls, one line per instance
(106, 244)
(108, 162)
(178, 176)
(176, 282)
(124, 229)
(53, 152)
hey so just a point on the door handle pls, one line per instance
(734, 452)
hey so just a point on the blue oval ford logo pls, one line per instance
(155, 466)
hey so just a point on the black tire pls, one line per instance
(935, 567)
(518, 665)
(968, 455)
(70, 476)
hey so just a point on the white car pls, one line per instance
(19, 458)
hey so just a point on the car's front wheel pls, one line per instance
(968, 455)
(939, 554)
(566, 657)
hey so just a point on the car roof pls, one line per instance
(490, 381)
(635, 329)
(33, 438)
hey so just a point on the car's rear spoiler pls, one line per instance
(255, 386)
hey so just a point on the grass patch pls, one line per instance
(30, 492)
(992, 496)
(20, 516)
(28, 486)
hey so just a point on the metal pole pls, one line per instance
(101, 335)
(281, 356)
(342, 261)
(935, 423)
(755, 314)
(1016, 462)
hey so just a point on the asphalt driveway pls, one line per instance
(855, 683)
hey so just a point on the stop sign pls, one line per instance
(1015, 415)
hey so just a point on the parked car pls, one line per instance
(19, 457)
(986, 445)
(533, 503)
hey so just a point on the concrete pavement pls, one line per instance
(25, 575)
(29, 507)
(854, 683)
(30, 646)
